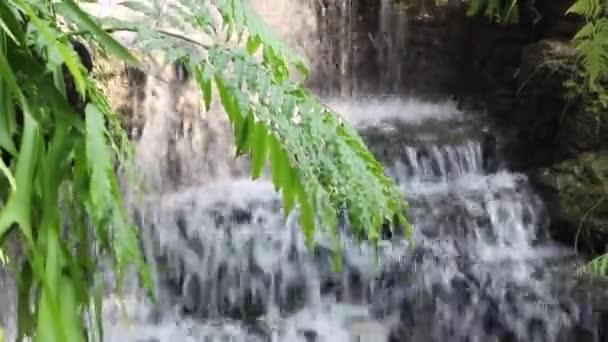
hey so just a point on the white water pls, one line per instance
(229, 268)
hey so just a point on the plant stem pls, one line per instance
(161, 31)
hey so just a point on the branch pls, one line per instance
(161, 31)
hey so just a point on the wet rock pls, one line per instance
(309, 335)
(191, 292)
(489, 152)
(551, 127)
(244, 297)
(537, 331)
(290, 292)
(406, 314)
(241, 216)
(461, 293)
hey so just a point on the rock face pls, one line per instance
(551, 127)
(124, 87)
(576, 196)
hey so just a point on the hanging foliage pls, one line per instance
(60, 143)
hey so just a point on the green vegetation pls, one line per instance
(62, 204)
(498, 10)
(591, 43)
(592, 46)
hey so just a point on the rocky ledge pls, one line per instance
(576, 194)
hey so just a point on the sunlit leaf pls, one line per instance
(204, 77)
(246, 131)
(98, 159)
(278, 162)
(4, 170)
(253, 43)
(17, 209)
(258, 149)
(307, 216)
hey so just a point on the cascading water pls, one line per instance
(230, 267)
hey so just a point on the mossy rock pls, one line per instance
(554, 124)
(576, 191)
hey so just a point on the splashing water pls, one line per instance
(229, 267)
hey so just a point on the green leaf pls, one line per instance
(258, 149)
(493, 10)
(301, 67)
(51, 40)
(25, 319)
(475, 7)
(307, 216)
(246, 131)
(586, 8)
(204, 79)
(62, 109)
(8, 174)
(7, 30)
(289, 188)
(279, 163)
(7, 120)
(4, 260)
(229, 103)
(50, 324)
(98, 159)
(9, 79)
(18, 209)
(69, 311)
(586, 31)
(253, 44)
(10, 23)
(336, 255)
(85, 21)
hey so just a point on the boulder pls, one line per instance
(576, 194)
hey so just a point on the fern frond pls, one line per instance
(597, 266)
(592, 45)
(496, 10)
(587, 8)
